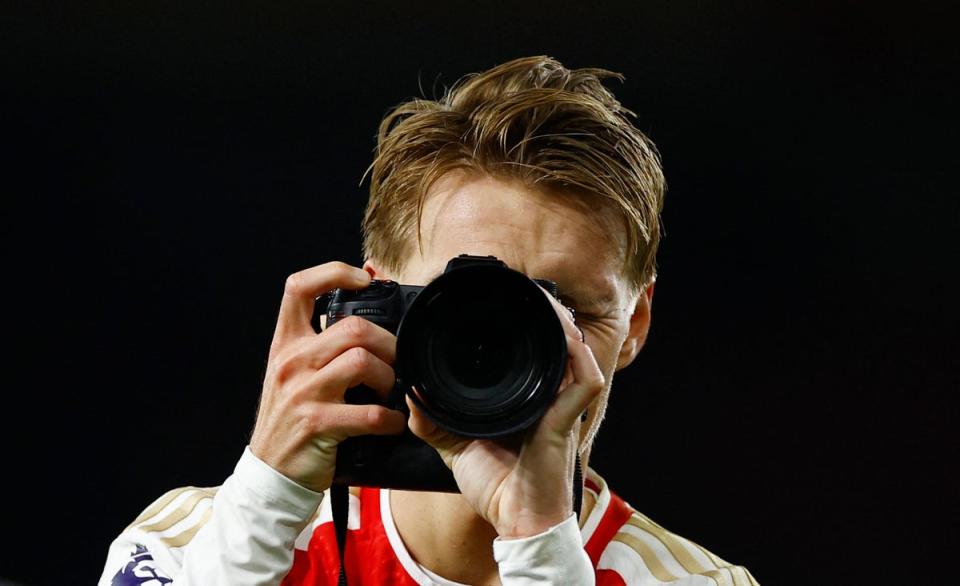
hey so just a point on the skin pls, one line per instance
(512, 491)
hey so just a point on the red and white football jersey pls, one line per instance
(252, 530)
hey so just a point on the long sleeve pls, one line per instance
(555, 556)
(242, 533)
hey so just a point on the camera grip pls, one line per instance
(404, 462)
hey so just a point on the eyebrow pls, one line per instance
(587, 299)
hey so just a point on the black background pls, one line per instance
(793, 411)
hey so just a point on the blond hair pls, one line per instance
(529, 119)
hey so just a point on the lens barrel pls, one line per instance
(485, 350)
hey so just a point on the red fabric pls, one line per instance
(369, 558)
(609, 578)
(371, 561)
(613, 519)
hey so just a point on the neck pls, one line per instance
(445, 535)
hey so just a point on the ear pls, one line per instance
(639, 327)
(373, 267)
(377, 270)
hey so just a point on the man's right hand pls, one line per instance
(302, 415)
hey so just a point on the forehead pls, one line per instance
(546, 233)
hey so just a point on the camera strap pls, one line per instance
(577, 487)
(340, 507)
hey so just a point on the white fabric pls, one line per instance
(256, 517)
(553, 557)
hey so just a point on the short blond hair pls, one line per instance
(529, 119)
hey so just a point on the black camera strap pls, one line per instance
(577, 487)
(340, 507)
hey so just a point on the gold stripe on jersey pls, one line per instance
(741, 576)
(724, 573)
(673, 543)
(648, 556)
(747, 577)
(184, 537)
(720, 577)
(159, 504)
(717, 560)
(181, 512)
(727, 569)
(737, 577)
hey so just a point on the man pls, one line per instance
(540, 167)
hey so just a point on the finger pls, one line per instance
(587, 384)
(354, 367)
(419, 424)
(352, 332)
(566, 315)
(340, 421)
(316, 351)
(302, 289)
(427, 430)
(448, 445)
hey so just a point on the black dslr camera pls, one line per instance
(484, 348)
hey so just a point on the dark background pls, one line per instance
(793, 411)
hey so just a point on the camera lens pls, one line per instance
(480, 361)
(485, 349)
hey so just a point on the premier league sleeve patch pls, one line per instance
(141, 570)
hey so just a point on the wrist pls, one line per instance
(523, 526)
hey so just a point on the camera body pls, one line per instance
(484, 349)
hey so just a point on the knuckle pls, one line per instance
(288, 399)
(298, 394)
(316, 422)
(283, 362)
(284, 369)
(340, 267)
(276, 346)
(356, 328)
(294, 284)
(311, 425)
(597, 382)
(359, 359)
(339, 271)
(376, 416)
